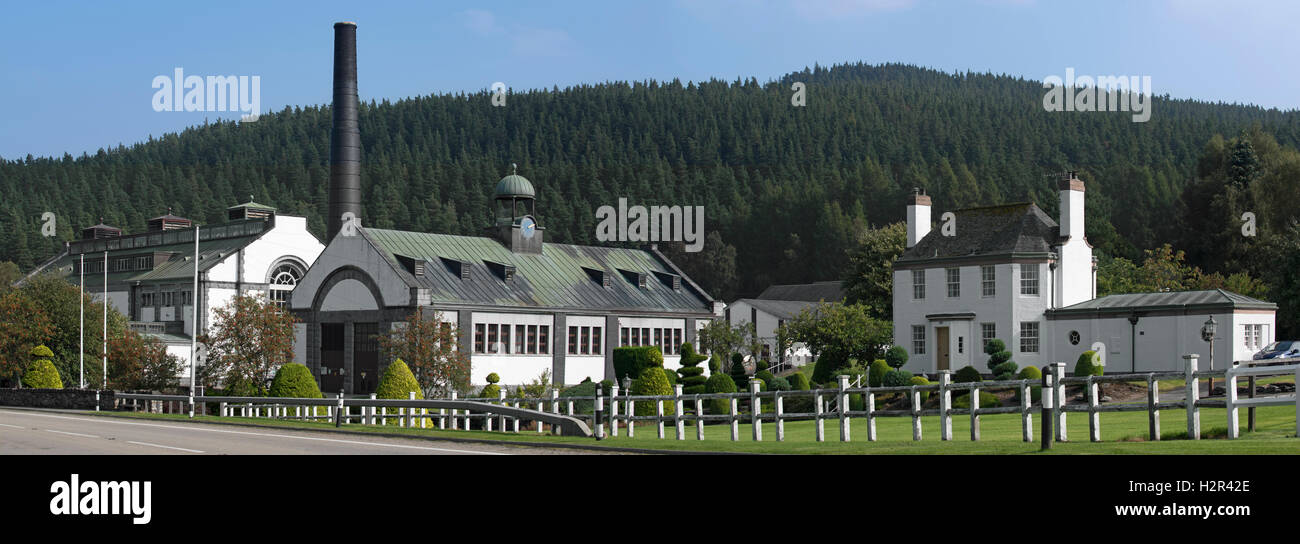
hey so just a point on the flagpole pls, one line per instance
(81, 301)
(105, 386)
(194, 307)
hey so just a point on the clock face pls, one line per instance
(528, 227)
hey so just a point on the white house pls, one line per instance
(1011, 272)
(777, 304)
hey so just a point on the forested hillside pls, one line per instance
(787, 189)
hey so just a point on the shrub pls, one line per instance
(897, 378)
(42, 375)
(42, 352)
(987, 400)
(967, 374)
(584, 389)
(671, 376)
(738, 374)
(607, 386)
(631, 361)
(1089, 364)
(1005, 371)
(799, 382)
(920, 380)
(494, 378)
(1030, 373)
(295, 381)
(896, 357)
(876, 372)
(653, 381)
(720, 383)
(766, 376)
(779, 384)
(398, 382)
(692, 375)
(715, 364)
(490, 391)
(827, 367)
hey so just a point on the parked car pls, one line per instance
(1279, 350)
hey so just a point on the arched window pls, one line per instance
(283, 278)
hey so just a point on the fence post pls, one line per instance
(1193, 395)
(1026, 403)
(516, 420)
(569, 407)
(1045, 409)
(915, 398)
(223, 409)
(780, 410)
(1230, 402)
(678, 407)
(338, 416)
(975, 414)
(1153, 412)
(1058, 381)
(699, 418)
(613, 410)
(945, 405)
(1094, 418)
(597, 411)
(631, 413)
(843, 403)
(756, 408)
(454, 424)
(410, 413)
(1250, 412)
(501, 399)
(821, 425)
(659, 418)
(735, 418)
(869, 403)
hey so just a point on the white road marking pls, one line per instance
(73, 434)
(199, 429)
(162, 446)
(12, 426)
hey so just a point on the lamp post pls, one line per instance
(1207, 334)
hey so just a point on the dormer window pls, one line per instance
(635, 278)
(597, 275)
(504, 271)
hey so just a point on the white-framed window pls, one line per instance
(989, 280)
(988, 331)
(282, 279)
(1256, 336)
(918, 284)
(1029, 279)
(954, 282)
(1028, 337)
(918, 339)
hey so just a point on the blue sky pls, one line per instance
(77, 77)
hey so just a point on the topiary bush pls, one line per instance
(967, 374)
(692, 375)
(671, 376)
(766, 376)
(398, 382)
(827, 367)
(720, 383)
(876, 372)
(492, 390)
(1029, 373)
(798, 382)
(987, 400)
(1005, 371)
(715, 364)
(631, 361)
(998, 354)
(896, 357)
(1089, 364)
(653, 381)
(584, 389)
(41, 374)
(897, 378)
(920, 380)
(738, 373)
(295, 381)
(779, 384)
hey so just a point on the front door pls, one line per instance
(331, 357)
(941, 347)
(365, 358)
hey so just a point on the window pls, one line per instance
(167, 298)
(989, 277)
(532, 339)
(479, 332)
(659, 339)
(543, 339)
(918, 284)
(961, 344)
(677, 341)
(1028, 337)
(918, 339)
(283, 279)
(586, 341)
(1255, 337)
(505, 338)
(521, 344)
(493, 339)
(636, 337)
(1029, 279)
(187, 298)
(988, 331)
(595, 340)
(146, 299)
(624, 335)
(573, 340)
(954, 282)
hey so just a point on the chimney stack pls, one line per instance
(345, 135)
(1071, 194)
(918, 217)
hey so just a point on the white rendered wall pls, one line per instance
(1161, 340)
(289, 238)
(671, 362)
(512, 368)
(918, 223)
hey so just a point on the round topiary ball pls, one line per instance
(799, 382)
(1088, 364)
(653, 382)
(42, 352)
(876, 372)
(967, 374)
(1030, 373)
(720, 383)
(494, 378)
(897, 378)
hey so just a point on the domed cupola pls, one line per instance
(515, 225)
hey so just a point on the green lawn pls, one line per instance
(1123, 433)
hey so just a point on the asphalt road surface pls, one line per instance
(24, 432)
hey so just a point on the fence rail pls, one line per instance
(588, 416)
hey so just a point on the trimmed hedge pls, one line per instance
(42, 375)
(987, 400)
(967, 374)
(1089, 364)
(876, 372)
(398, 382)
(631, 361)
(692, 375)
(766, 376)
(653, 381)
(799, 382)
(720, 383)
(1029, 373)
(920, 380)
(294, 380)
(584, 389)
(1005, 371)
(897, 378)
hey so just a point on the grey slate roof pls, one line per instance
(1010, 229)
(556, 279)
(180, 266)
(829, 291)
(1188, 301)
(783, 309)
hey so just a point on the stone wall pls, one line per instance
(76, 399)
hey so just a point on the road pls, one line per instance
(24, 432)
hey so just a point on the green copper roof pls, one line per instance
(515, 185)
(554, 279)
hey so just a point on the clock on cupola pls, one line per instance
(516, 225)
